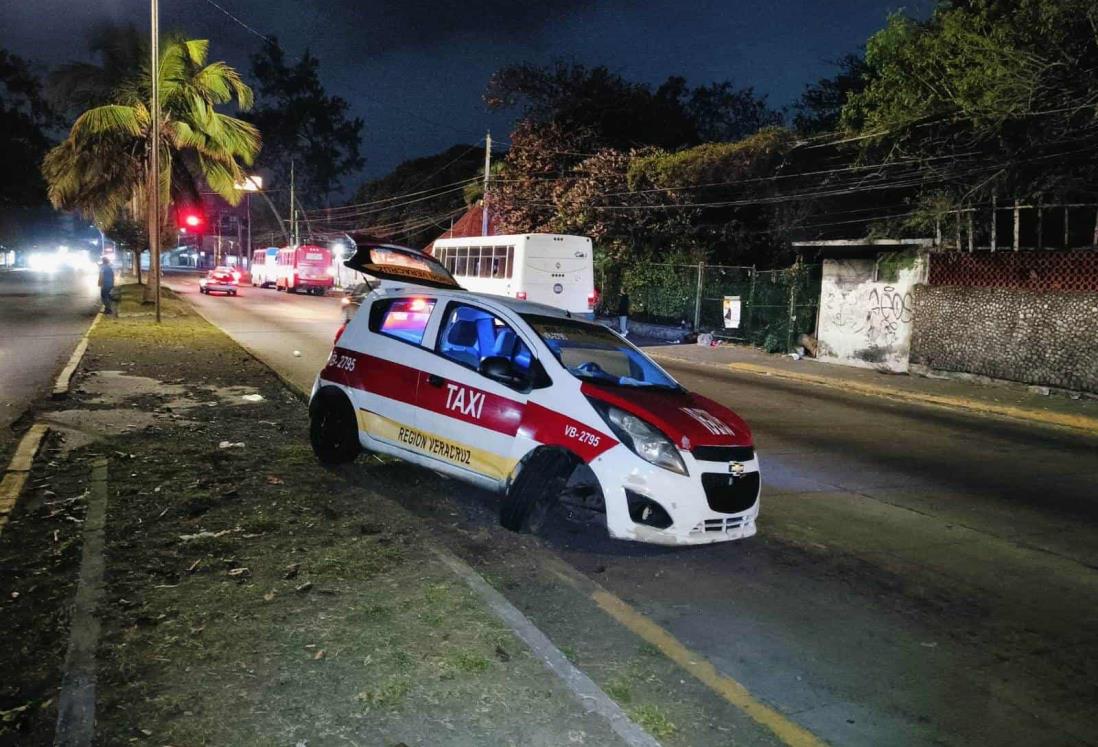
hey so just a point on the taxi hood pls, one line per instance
(401, 264)
(686, 418)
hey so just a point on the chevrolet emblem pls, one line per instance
(736, 468)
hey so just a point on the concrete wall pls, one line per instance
(864, 321)
(1048, 338)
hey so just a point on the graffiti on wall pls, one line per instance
(874, 312)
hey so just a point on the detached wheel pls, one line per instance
(535, 491)
(333, 427)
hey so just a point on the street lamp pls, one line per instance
(251, 183)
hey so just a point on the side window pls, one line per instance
(462, 260)
(469, 335)
(402, 318)
(510, 262)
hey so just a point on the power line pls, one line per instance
(239, 22)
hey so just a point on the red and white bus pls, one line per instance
(307, 268)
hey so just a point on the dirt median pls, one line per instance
(252, 597)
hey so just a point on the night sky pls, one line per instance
(415, 70)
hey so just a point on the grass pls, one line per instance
(313, 605)
(653, 720)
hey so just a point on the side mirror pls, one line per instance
(498, 368)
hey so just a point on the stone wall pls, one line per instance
(1048, 338)
(864, 319)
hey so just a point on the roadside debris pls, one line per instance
(231, 445)
(252, 398)
(207, 535)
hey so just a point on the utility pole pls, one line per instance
(293, 206)
(487, 172)
(154, 159)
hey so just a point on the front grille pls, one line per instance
(730, 495)
(709, 526)
(724, 453)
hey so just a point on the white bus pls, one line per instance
(552, 269)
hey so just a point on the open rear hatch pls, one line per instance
(399, 264)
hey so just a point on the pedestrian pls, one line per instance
(623, 313)
(106, 284)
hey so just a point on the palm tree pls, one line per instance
(101, 168)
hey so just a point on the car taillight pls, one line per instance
(236, 277)
(340, 331)
(297, 281)
(591, 301)
(521, 295)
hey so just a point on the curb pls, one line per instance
(15, 477)
(1082, 423)
(61, 386)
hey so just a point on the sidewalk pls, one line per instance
(247, 600)
(1014, 401)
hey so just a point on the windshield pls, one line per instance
(593, 353)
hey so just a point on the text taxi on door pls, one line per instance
(553, 412)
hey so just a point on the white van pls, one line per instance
(552, 269)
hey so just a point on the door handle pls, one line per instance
(435, 380)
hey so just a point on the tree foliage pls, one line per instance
(1002, 95)
(412, 203)
(25, 121)
(100, 168)
(302, 123)
(820, 108)
(618, 113)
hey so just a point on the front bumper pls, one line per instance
(220, 287)
(683, 497)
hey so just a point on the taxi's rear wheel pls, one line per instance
(333, 428)
(535, 491)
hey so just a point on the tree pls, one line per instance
(989, 95)
(820, 107)
(100, 169)
(722, 113)
(413, 203)
(25, 120)
(302, 124)
(621, 114)
(121, 52)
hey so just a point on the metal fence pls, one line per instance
(775, 306)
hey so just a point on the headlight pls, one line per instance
(643, 439)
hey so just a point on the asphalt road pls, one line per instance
(42, 317)
(920, 577)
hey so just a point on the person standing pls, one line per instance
(106, 284)
(623, 313)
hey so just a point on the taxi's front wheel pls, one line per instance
(536, 489)
(333, 428)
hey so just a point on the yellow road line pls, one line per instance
(11, 486)
(28, 447)
(789, 732)
(61, 386)
(1063, 420)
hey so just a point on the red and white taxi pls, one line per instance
(523, 399)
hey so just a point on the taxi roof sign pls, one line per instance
(400, 263)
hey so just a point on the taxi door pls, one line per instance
(472, 419)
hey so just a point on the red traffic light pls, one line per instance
(191, 219)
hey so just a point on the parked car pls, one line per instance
(220, 280)
(526, 400)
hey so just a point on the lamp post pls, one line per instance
(251, 183)
(154, 156)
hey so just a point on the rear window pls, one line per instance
(402, 318)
